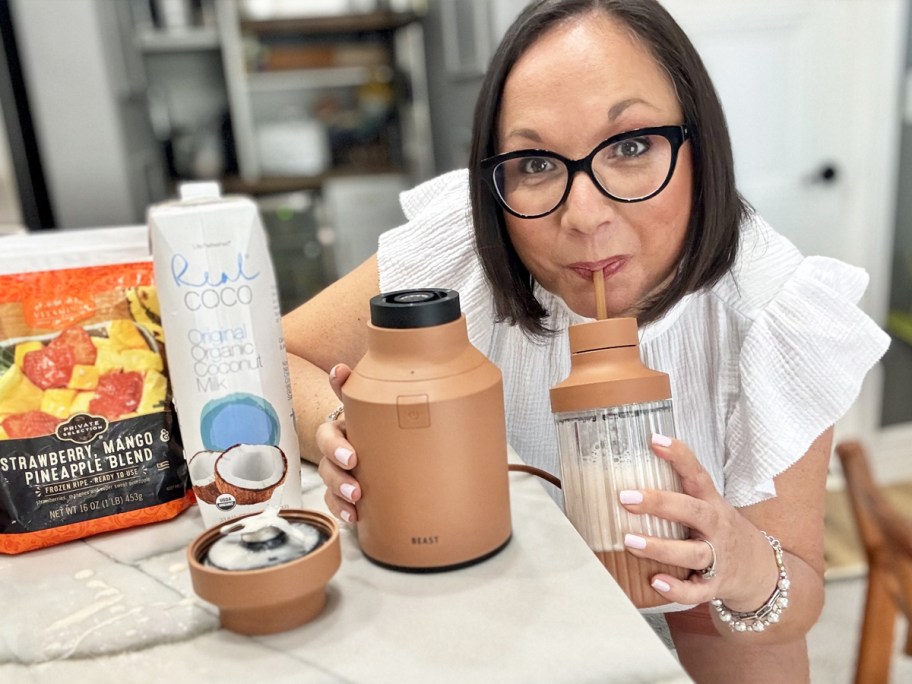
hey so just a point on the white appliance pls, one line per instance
(359, 208)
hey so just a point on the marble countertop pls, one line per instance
(120, 607)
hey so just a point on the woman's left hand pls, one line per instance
(745, 568)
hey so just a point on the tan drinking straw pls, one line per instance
(598, 279)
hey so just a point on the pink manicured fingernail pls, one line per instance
(332, 372)
(343, 455)
(634, 541)
(661, 440)
(630, 496)
(347, 490)
(346, 516)
(659, 585)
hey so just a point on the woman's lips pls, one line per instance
(608, 267)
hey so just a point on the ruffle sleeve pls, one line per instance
(801, 368)
(436, 248)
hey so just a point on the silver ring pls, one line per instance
(335, 413)
(710, 570)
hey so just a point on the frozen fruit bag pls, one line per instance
(88, 436)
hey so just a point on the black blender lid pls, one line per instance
(420, 308)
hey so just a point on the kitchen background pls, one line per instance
(323, 110)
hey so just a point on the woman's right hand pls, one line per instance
(342, 490)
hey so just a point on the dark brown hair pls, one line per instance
(717, 209)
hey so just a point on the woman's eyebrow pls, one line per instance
(613, 113)
(526, 133)
(619, 108)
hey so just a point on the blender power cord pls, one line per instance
(521, 467)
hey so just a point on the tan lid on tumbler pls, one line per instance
(606, 369)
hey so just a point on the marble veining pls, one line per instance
(122, 604)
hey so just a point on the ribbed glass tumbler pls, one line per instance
(602, 452)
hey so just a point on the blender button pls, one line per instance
(413, 411)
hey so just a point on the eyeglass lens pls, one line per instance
(629, 169)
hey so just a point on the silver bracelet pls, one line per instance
(335, 413)
(767, 614)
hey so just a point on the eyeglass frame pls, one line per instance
(676, 135)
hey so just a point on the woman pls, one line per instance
(600, 147)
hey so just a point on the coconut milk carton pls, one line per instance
(225, 352)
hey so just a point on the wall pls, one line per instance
(10, 214)
(87, 97)
(897, 390)
(460, 37)
(901, 290)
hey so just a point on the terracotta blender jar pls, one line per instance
(424, 412)
(606, 412)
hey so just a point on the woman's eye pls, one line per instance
(632, 148)
(536, 165)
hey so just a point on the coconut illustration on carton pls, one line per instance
(241, 465)
(250, 472)
(202, 475)
(243, 475)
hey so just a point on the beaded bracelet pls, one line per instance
(767, 614)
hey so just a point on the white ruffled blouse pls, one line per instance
(761, 363)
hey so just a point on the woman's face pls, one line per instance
(579, 84)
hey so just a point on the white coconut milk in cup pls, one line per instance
(225, 352)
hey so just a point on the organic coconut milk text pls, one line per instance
(225, 352)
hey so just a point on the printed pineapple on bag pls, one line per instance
(88, 439)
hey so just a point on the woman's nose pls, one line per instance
(586, 207)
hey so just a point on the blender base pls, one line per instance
(441, 568)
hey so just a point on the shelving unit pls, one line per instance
(268, 185)
(258, 91)
(308, 79)
(191, 39)
(329, 72)
(363, 23)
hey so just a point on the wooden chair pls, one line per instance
(887, 540)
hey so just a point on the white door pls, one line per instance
(811, 92)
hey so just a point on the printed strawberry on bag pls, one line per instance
(117, 393)
(30, 424)
(49, 367)
(78, 342)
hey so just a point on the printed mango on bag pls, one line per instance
(24, 348)
(108, 358)
(17, 393)
(141, 360)
(124, 335)
(81, 402)
(155, 386)
(58, 402)
(84, 377)
(146, 310)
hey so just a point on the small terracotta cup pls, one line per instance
(273, 599)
